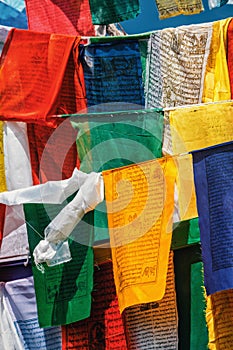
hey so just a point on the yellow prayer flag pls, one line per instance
(201, 126)
(170, 8)
(216, 80)
(193, 128)
(140, 204)
(186, 188)
(219, 318)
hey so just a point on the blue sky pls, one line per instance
(148, 19)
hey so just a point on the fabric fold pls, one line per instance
(230, 54)
(63, 292)
(140, 204)
(213, 183)
(170, 8)
(53, 192)
(90, 194)
(216, 81)
(53, 250)
(111, 140)
(106, 12)
(39, 62)
(176, 64)
(61, 17)
(113, 76)
(3, 186)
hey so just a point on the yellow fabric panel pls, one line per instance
(219, 318)
(216, 81)
(140, 204)
(201, 126)
(186, 188)
(170, 8)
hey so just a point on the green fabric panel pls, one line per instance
(63, 292)
(105, 11)
(104, 39)
(188, 286)
(184, 233)
(109, 141)
(199, 332)
(143, 45)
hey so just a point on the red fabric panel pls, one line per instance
(33, 66)
(103, 330)
(2, 220)
(230, 54)
(72, 17)
(53, 151)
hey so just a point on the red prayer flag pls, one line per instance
(230, 53)
(72, 17)
(40, 76)
(53, 151)
(2, 220)
(104, 329)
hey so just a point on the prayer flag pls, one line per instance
(3, 35)
(191, 302)
(17, 170)
(184, 233)
(2, 183)
(170, 8)
(53, 151)
(219, 319)
(111, 140)
(20, 295)
(218, 3)
(105, 12)
(113, 76)
(39, 64)
(154, 325)
(103, 330)
(72, 17)
(205, 125)
(230, 54)
(140, 204)
(216, 81)
(213, 181)
(9, 339)
(176, 65)
(193, 128)
(185, 187)
(63, 292)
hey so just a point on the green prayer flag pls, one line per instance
(120, 38)
(184, 233)
(143, 48)
(199, 332)
(63, 292)
(191, 304)
(111, 140)
(106, 12)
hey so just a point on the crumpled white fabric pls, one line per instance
(52, 192)
(9, 339)
(53, 250)
(217, 3)
(52, 254)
